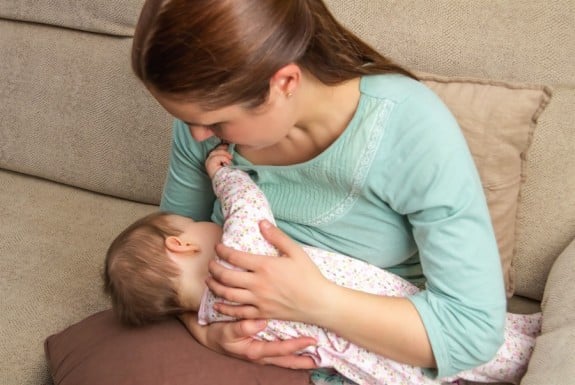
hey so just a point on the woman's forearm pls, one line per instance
(389, 326)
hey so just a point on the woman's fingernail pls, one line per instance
(261, 323)
(266, 224)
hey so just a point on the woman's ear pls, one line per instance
(177, 245)
(287, 79)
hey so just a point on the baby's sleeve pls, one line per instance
(244, 205)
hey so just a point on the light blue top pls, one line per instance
(398, 187)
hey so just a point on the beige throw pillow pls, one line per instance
(498, 120)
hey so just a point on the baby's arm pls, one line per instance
(244, 205)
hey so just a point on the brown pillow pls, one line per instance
(498, 120)
(98, 350)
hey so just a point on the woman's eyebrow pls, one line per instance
(201, 124)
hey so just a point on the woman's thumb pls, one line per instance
(276, 237)
(249, 328)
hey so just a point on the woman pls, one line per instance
(353, 154)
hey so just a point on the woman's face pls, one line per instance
(256, 128)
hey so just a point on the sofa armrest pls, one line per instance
(553, 360)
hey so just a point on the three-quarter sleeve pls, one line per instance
(187, 189)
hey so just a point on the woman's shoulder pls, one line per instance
(395, 87)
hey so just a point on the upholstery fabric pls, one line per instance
(104, 16)
(546, 218)
(52, 256)
(506, 39)
(71, 122)
(553, 360)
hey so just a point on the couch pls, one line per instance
(83, 152)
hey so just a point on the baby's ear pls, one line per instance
(177, 245)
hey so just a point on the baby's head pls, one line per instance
(157, 267)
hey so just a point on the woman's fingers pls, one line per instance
(246, 261)
(229, 293)
(291, 362)
(238, 311)
(286, 245)
(252, 262)
(266, 287)
(265, 350)
(236, 339)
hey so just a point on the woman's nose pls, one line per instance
(200, 133)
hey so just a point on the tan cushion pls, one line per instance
(553, 360)
(103, 16)
(498, 120)
(98, 350)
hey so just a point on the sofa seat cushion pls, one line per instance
(53, 239)
(104, 16)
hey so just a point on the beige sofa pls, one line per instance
(83, 151)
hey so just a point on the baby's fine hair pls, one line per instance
(139, 276)
(221, 52)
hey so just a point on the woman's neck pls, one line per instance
(324, 113)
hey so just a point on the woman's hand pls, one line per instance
(289, 287)
(235, 339)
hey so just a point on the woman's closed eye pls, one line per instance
(215, 127)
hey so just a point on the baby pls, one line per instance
(157, 267)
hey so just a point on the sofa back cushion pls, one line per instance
(72, 112)
(102, 16)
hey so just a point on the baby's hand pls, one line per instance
(218, 158)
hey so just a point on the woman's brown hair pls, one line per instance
(224, 52)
